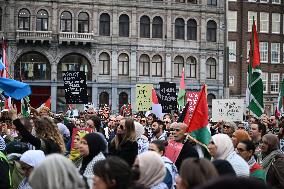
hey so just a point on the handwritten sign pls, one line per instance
(173, 150)
(75, 87)
(168, 96)
(144, 97)
(227, 109)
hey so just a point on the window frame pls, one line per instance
(179, 29)
(145, 27)
(66, 21)
(124, 64)
(124, 27)
(145, 64)
(42, 20)
(25, 20)
(104, 24)
(209, 69)
(157, 28)
(211, 32)
(105, 63)
(192, 30)
(179, 65)
(84, 23)
(156, 65)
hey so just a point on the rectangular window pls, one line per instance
(264, 22)
(264, 76)
(264, 1)
(232, 51)
(275, 52)
(251, 15)
(212, 2)
(231, 81)
(275, 23)
(263, 49)
(276, 1)
(274, 84)
(232, 21)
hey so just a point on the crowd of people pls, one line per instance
(98, 150)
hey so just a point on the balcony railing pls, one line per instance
(74, 36)
(34, 35)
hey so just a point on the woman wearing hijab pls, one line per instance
(30, 160)
(150, 170)
(142, 140)
(56, 172)
(124, 144)
(221, 147)
(272, 161)
(238, 136)
(91, 149)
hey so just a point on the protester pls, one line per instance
(238, 136)
(158, 131)
(246, 149)
(112, 172)
(30, 160)
(272, 160)
(91, 149)
(48, 139)
(195, 172)
(75, 155)
(257, 130)
(95, 123)
(56, 172)
(6, 180)
(142, 140)
(110, 130)
(150, 170)
(229, 128)
(221, 147)
(224, 167)
(159, 147)
(124, 144)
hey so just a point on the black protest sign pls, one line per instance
(168, 96)
(75, 87)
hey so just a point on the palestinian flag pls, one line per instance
(254, 92)
(47, 104)
(181, 92)
(280, 107)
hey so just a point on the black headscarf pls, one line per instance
(96, 145)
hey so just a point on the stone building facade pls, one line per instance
(269, 17)
(118, 43)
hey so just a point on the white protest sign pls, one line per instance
(227, 109)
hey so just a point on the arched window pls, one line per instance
(83, 23)
(105, 24)
(145, 27)
(144, 65)
(104, 98)
(156, 66)
(124, 26)
(211, 31)
(191, 29)
(211, 68)
(178, 66)
(42, 20)
(123, 64)
(157, 28)
(123, 99)
(104, 66)
(32, 66)
(190, 67)
(66, 22)
(74, 62)
(179, 28)
(24, 19)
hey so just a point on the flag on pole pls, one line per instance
(280, 107)
(156, 106)
(47, 104)
(181, 92)
(254, 92)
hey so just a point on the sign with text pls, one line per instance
(144, 97)
(192, 98)
(168, 96)
(75, 87)
(227, 109)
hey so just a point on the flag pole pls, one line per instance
(250, 68)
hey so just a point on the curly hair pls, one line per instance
(46, 129)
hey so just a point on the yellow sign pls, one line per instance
(144, 97)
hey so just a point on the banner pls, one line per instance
(168, 96)
(192, 98)
(227, 110)
(144, 97)
(75, 87)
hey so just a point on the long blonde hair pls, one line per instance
(130, 133)
(46, 129)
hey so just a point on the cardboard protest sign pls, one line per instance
(168, 96)
(173, 150)
(227, 109)
(192, 98)
(144, 97)
(75, 87)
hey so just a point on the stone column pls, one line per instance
(95, 94)
(133, 97)
(53, 96)
(114, 98)
(168, 67)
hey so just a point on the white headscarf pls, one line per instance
(152, 169)
(56, 171)
(33, 157)
(224, 145)
(140, 130)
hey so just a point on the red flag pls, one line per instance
(154, 97)
(200, 114)
(254, 44)
(47, 104)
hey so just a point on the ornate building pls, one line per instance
(118, 43)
